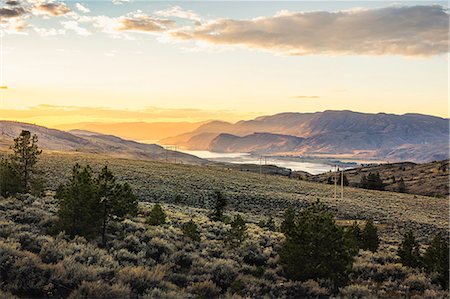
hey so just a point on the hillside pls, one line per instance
(89, 142)
(390, 137)
(429, 179)
(259, 196)
(135, 130)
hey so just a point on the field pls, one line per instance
(143, 261)
(260, 196)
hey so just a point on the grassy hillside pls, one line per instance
(143, 261)
(429, 179)
(260, 196)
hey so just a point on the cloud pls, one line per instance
(82, 8)
(143, 23)
(407, 31)
(11, 12)
(306, 97)
(52, 8)
(120, 2)
(73, 26)
(178, 12)
(12, 3)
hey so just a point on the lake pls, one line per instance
(245, 158)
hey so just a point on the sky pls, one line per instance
(125, 61)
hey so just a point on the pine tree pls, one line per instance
(409, 250)
(369, 237)
(157, 215)
(401, 186)
(436, 259)
(10, 180)
(78, 207)
(288, 223)
(220, 203)
(238, 232)
(190, 230)
(88, 204)
(116, 200)
(316, 248)
(25, 156)
(354, 235)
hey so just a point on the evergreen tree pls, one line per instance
(330, 181)
(372, 181)
(409, 250)
(238, 232)
(369, 237)
(25, 156)
(344, 179)
(354, 235)
(316, 248)
(116, 200)
(10, 180)
(88, 204)
(190, 230)
(401, 186)
(157, 215)
(220, 203)
(436, 259)
(78, 208)
(288, 223)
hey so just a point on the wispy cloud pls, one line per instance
(306, 97)
(407, 31)
(179, 12)
(82, 8)
(151, 114)
(52, 8)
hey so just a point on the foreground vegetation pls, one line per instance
(163, 262)
(89, 237)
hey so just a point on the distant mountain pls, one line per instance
(255, 143)
(414, 137)
(135, 130)
(91, 142)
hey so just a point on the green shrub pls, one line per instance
(269, 224)
(157, 216)
(204, 289)
(101, 290)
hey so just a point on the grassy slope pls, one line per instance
(429, 179)
(260, 196)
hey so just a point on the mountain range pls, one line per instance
(343, 134)
(91, 142)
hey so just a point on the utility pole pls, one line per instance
(342, 184)
(260, 165)
(335, 182)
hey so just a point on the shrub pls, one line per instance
(409, 250)
(140, 279)
(101, 290)
(190, 230)
(288, 223)
(316, 248)
(356, 291)
(372, 181)
(269, 224)
(204, 289)
(157, 215)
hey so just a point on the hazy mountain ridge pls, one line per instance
(414, 137)
(91, 142)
